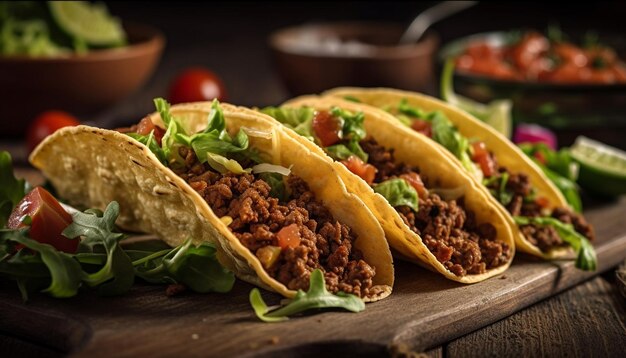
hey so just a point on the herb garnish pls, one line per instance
(315, 298)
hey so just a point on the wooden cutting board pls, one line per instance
(424, 311)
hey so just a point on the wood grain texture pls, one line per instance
(588, 320)
(423, 312)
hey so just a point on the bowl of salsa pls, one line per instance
(572, 85)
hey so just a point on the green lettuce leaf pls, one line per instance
(317, 297)
(298, 119)
(398, 193)
(448, 136)
(586, 256)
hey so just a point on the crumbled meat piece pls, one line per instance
(544, 237)
(325, 243)
(446, 228)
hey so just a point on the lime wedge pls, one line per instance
(602, 167)
(89, 22)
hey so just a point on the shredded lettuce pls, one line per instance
(586, 256)
(398, 193)
(298, 119)
(448, 135)
(271, 168)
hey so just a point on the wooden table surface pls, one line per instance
(586, 320)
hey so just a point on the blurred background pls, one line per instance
(231, 40)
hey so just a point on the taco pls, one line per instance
(543, 223)
(432, 212)
(225, 174)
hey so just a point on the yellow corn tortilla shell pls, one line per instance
(442, 170)
(507, 153)
(91, 167)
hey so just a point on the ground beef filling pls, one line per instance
(325, 243)
(446, 228)
(521, 204)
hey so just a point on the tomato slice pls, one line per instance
(146, 126)
(48, 220)
(422, 126)
(366, 171)
(482, 157)
(326, 127)
(416, 182)
(289, 236)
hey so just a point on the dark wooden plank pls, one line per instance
(423, 312)
(588, 320)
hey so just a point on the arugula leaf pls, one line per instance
(117, 275)
(316, 297)
(298, 119)
(195, 267)
(586, 256)
(398, 193)
(12, 190)
(64, 271)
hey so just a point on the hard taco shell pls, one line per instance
(91, 167)
(442, 170)
(507, 154)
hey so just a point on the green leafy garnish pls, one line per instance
(446, 134)
(559, 167)
(12, 190)
(97, 231)
(586, 256)
(315, 298)
(398, 193)
(298, 119)
(64, 273)
(277, 184)
(195, 267)
(497, 113)
(301, 121)
(504, 196)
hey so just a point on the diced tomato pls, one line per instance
(416, 182)
(571, 54)
(366, 171)
(542, 201)
(326, 127)
(482, 157)
(422, 126)
(540, 157)
(48, 220)
(289, 236)
(146, 126)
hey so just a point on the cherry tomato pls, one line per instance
(416, 182)
(422, 126)
(529, 48)
(570, 53)
(289, 236)
(47, 123)
(326, 128)
(195, 85)
(366, 171)
(48, 220)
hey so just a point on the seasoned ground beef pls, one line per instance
(325, 243)
(446, 228)
(523, 204)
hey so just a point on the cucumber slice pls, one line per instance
(89, 22)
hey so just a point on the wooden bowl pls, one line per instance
(79, 84)
(314, 58)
